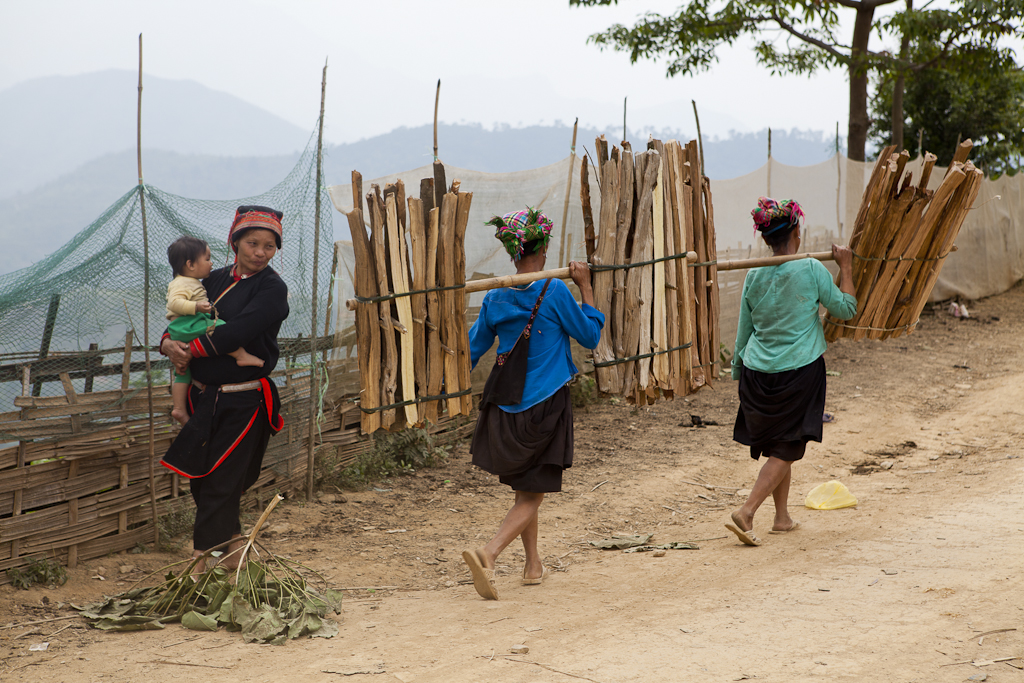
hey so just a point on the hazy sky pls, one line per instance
(511, 61)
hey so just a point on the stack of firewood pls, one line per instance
(411, 346)
(661, 334)
(901, 238)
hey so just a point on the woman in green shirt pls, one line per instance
(778, 358)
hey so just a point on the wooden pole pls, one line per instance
(314, 376)
(769, 190)
(44, 345)
(623, 119)
(520, 279)
(741, 264)
(145, 311)
(568, 190)
(437, 100)
(700, 138)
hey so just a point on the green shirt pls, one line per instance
(779, 327)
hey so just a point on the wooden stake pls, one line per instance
(449, 328)
(588, 212)
(314, 369)
(145, 314)
(465, 368)
(437, 101)
(367, 315)
(389, 376)
(418, 232)
(435, 362)
(399, 280)
(568, 191)
(607, 377)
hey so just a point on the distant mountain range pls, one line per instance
(67, 151)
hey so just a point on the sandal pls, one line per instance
(537, 581)
(483, 578)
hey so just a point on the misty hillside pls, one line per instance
(67, 151)
(55, 124)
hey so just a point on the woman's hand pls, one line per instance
(580, 273)
(178, 353)
(844, 259)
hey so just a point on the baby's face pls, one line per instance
(202, 266)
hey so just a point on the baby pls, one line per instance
(189, 308)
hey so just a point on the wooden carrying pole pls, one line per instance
(515, 280)
(314, 376)
(145, 311)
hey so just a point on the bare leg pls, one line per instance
(200, 568)
(520, 520)
(245, 359)
(179, 395)
(783, 522)
(232, 557)
(774, 473)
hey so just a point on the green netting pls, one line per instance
(69, 313)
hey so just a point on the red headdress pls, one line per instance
(251, 217)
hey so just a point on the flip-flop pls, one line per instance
(747, 537)
(483, 578)
(796, 525)
(537, 581)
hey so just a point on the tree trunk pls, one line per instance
(897, 91)
(857, 133)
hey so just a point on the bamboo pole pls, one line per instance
(741, 264)
(568, 190)
(437, 101)
(145, 311)
(314, 383)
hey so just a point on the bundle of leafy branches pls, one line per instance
(42, 571)
(268, 599)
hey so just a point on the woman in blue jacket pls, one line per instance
(528, 443)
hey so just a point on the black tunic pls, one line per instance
(220, 449)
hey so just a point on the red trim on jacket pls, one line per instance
(268, 400)
(196, 347)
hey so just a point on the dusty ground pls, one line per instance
(901, 588)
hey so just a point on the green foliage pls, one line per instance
(271, 602)
(977, 94)
(393, 453)
(42, 571)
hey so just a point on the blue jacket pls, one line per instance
(504, 314)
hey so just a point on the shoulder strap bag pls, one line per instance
(505, 384)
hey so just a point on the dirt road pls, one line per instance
(903, 587)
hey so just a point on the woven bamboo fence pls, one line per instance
(76, 482)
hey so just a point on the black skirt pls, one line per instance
(781, 411)
(527, 450)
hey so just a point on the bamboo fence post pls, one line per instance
(713, 291)
(389, 350)
(671, 279)
(465, 367)
(684, 282)
(145, 315)
(660, 364)
(367, 314)
(435, 360)
(700, 275)
(400, 286)
(607, 377)
(623, 232)
(314, 376)
(643, 241)
(449, 327)
(417, 230)
(568, 191)
(588, 211)
(44, 345)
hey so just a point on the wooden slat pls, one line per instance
(406, 348)
(389, 350)
(465, 367)
(435, 361)
(447, 278)
(418, 233)
(604, 254)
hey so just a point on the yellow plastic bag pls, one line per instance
(830, 496)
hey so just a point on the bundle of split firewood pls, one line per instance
(901, 238)
(416, 346)
(661, 334)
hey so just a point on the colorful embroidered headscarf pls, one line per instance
(519, 227)
(249, 217)
(768, 211)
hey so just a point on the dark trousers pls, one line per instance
(218, 495)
